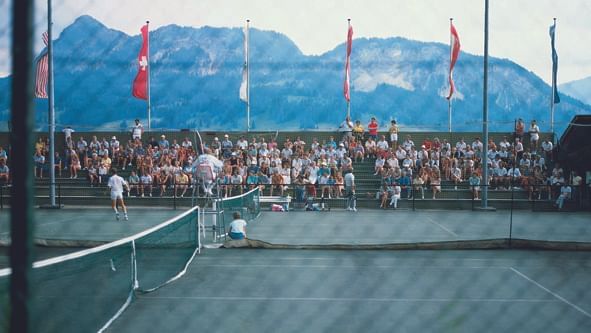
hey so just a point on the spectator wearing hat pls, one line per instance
(115, 147)
(163, 143)
(227, 146)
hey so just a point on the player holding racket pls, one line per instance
(116, 184)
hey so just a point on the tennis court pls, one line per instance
(373, 226)
(228, 290)
(320, 290)
(89, 224)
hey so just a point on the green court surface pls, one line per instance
(77, 224)
(245, 290)
(90, 223)
(297, 290)
(404, 226)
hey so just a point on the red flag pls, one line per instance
(42, 72)
(348, 64)
(140, 83)
(455, 52)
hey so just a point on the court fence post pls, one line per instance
(59, 195)
(413, 198)
(511, 216)
(472, 194)
(174, 194)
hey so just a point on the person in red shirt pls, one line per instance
(372, 128)
(428, 143)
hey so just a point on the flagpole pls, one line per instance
(450, 60)
(247, 76)
(552, 99)
(51, 106)
(349, 100)
(149, 68)
(484, 162)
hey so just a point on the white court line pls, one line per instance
(348, 266)
(429, 219)
(348, 299)
(564, 300)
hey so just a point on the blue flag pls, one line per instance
(554, 64)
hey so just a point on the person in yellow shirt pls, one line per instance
(106, 161)
(358, 131)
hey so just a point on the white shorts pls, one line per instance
(534, 137)
(116, 195)
(394, 137)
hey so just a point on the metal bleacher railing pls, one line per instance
(457, 197)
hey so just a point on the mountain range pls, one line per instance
(196, 74)
(579, 89)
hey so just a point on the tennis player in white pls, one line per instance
(116, 184)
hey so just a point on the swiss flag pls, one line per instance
(140, 83)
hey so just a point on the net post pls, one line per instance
(198, 228)
(214, 207)
(134, 281)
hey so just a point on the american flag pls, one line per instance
(42, 72)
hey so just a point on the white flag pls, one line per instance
(244, 84)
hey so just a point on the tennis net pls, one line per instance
(87, 290)
(246, 204)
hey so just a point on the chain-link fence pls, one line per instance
(324, 251)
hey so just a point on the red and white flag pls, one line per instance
(454, 53)
(140, 83)
(346, 89)
(42, 71)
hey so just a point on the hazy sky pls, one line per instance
(518, 28)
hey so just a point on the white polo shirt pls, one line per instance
(116, 183)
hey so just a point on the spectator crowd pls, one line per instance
(315, 168)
